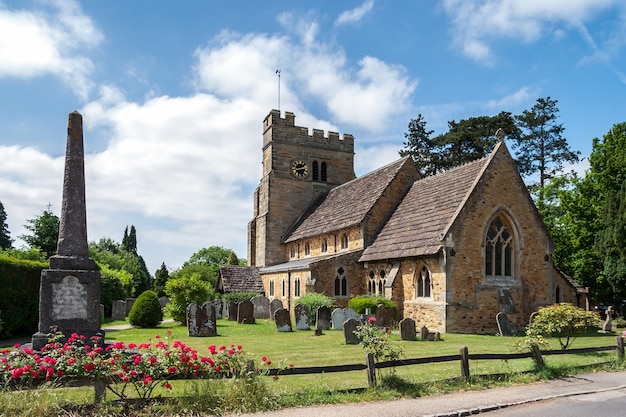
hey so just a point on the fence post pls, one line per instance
(465, 371)
(371, 370)
(100, 387)
(620, 348)
(537, 356)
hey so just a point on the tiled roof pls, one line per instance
(346, 205)
(239, 279)
(420, 221)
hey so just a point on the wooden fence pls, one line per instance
(463, 358)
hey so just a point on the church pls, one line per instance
(451, 250)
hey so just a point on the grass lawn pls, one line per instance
(302, 349)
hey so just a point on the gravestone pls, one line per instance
(245, 312)
(504, 326)
(69, 291)
(349, 313)
(384, 316)
(301, 312)
(163, 301)
(607, 326)
(129, 305)
(232, 311)
(282, 318)
(201, 321)
(219, 309)
(322, 318)
(349, 326)
(407, 329)
(275, 305)
(424, 333)
(261, 307)
(118, 311)
(338, 317)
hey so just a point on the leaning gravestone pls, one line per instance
(301, 312)
(232, 311)
(337, 318)
(349, 313)
(245, 312)
(283, 320)
(607, 326)
(261, 307)
(407, 329)
(384, 316)
(118, 310)
(201, 320)
(349, 326)
(275, 305)
(504, 327)
(322, 318)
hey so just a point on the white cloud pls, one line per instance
(36, 43)
(478, 22)
(356, 14)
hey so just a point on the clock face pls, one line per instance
(299, 169)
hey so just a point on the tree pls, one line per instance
(185, 290)
(607, 176)
(474, 138)
(5, 237)
(160, 280)
(44, 232)
(542, 149)
(465, 141)
(146, 310)
(209, 259)
(420, 147)
(129, 241)
(563, 321)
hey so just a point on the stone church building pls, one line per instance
(451, 250)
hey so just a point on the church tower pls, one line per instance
(297, 167)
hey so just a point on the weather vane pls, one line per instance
(278, 73)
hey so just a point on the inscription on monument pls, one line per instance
(69, 299)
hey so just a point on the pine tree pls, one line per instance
(45, 232)
(5, 237)
(160, 280)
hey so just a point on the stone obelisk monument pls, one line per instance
(69, 294)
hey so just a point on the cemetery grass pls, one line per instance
(303, 349)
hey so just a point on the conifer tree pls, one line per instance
(5, 236)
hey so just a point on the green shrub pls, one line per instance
(238, 296)
(361, 302)
(146, 311)
(314, 301)
(563, 321)
(184, 290)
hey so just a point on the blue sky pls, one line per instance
(173, 94)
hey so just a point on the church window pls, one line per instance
(324, 246)
(499, 249)
(341, 283)
(371, 283)
(307, 249)
(284, 288)
(557, 295)
(422, 283)
(381, 282)
(271, 287)
(323, 172)
(293, 251)
(344, 241)
(316, 171)
(296, 287)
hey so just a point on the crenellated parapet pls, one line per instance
(279, 129)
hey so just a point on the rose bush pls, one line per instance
(124, 368)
